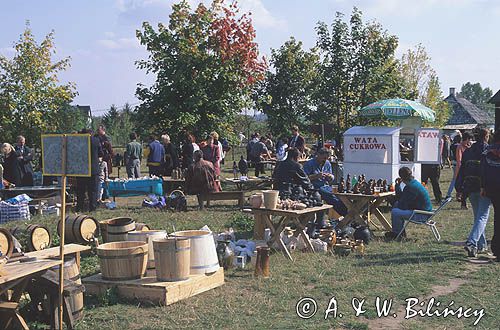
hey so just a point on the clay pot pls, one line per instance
(256, 200)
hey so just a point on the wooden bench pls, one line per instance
(222, 196)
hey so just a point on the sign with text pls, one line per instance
(428, 146)
(78, 157)
(373, 149)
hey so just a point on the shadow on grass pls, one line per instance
(402, 258)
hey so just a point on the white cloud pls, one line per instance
(119, 43)
(261, 16)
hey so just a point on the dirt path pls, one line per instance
(394, 323)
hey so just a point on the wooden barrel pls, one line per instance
(118, 228)
(6, 242)
(122, 261)
(172, 256)
(71, 272)
(79, 229)
(139, 226)
(203, 256)
(33, 237)
(148, 236)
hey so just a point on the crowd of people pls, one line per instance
(475, 161)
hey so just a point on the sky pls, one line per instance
(461, 36)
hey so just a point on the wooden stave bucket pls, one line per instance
(203, 255)
(6, 243)
(72, 272)
(117, 229)
(148, 237)
(35, 237)
(79, 229)
(123, 261)
(139, 226)
(172, 257)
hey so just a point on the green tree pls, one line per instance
(205, 62)
(286, 96)
(31, 97)
(358, 67)
(119, 123)
(478, 95)
(433, 98)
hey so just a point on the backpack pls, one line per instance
(472, 176)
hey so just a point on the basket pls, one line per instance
(13, 212)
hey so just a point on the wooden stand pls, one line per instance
(359, 205)
(148, 289)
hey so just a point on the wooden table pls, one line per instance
(359, 205)
(37, 193)
(277, 220)
(16, 275)
(258, 183)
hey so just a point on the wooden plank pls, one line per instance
(291, 212)
(150, 290)
(54, 251)
(16, 270)
(259, 226)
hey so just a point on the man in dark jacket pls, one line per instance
(107, 148)
(290, 171)
(25, 156)
(89, 185)
(297, 141)
(490, 187)
(414, 196)
(468, 184)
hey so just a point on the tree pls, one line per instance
(31, 97)
(119, 124)
(205, 62)
(421, 83)
(478, 96)
(286, 96)
(357, 67)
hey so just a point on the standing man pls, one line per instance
(468, 185)
(133, 157)
(156, 156)
(171, 158)
(259, 149)
(432, 172)
(297, 141)
(106, 146)
(490, 188)
(24, 156)
(89, 185)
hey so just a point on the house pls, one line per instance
(86, 112)
(495, 99)
(465, 115)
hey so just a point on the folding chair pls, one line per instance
(426, 220)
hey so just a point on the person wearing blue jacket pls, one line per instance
(490, 187)
(468, 185)
(156, 156)
(414, 196)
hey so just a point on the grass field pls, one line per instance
(417, 267)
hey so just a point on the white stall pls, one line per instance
(379, 152)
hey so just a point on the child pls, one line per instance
(103, 177)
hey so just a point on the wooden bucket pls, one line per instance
(33, 237)
(139, 226)
(71, 272)
(203, 256)
(79, 229)
(148, 236)
(172, 257)
(122, 261)
(6, 242)
(117, 229)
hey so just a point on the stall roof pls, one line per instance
(372, 130)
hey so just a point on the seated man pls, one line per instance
(200, 178)
(319, 170)
(413, 197)
(290, 171)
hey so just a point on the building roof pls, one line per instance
(464, 112)
(495, 98)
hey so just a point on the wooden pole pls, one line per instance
(63, 232)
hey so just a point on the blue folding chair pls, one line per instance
(425, 219)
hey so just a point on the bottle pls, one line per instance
(348, 184)
(341, 185)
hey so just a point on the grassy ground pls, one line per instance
(389, 270)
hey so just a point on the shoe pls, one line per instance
(471, 251)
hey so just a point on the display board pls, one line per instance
(428, 146)
(78, 158)
(371, 145)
